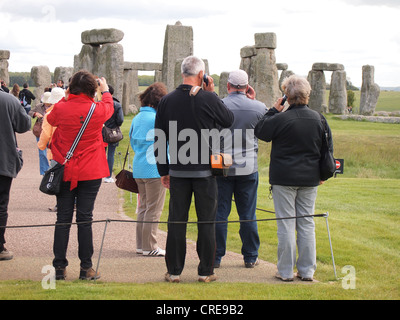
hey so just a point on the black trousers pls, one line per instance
(5, 187)
(205, 197)
(84, 195)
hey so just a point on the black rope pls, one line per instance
(160, 222)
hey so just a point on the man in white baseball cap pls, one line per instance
(242, 179)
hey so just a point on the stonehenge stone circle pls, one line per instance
(369, 91)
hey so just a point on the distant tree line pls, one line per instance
(25, 77)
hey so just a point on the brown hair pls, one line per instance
(153, 94)
(83, 82)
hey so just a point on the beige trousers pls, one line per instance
(151, 203)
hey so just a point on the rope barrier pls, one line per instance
(107, 221)
(159, 222)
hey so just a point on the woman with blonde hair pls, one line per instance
(296, 135)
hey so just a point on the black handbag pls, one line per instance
(327, 162)
(125, 180)
(112, 135)
(52, 178)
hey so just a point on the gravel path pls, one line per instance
(32, 247)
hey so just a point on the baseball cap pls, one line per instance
(238, 78)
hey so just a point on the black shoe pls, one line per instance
(252, 264)
(61, 273)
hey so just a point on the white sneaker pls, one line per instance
(154, 253)
(109, 180)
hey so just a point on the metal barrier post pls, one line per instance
(330, 243)
(101, 248)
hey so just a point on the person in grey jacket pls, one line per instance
(242, 179)
(13, 119)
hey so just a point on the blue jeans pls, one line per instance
(43, 162)
(244, 189)
(110, 156)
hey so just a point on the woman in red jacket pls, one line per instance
(84, 171)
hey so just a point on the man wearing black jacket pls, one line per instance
(26, 97)
(186, 170)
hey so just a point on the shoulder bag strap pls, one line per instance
(70, 153)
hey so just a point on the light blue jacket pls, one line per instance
(142, 141)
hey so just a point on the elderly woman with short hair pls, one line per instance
(296, 136)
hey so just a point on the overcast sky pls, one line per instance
(351, 32)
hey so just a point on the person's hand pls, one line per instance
(251, 93)
(103, 86)
(278, 105)
(165, 181)
(38, 115)
(210, 86)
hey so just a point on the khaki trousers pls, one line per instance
(151, 204)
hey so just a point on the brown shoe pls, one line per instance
(171, 278)
(89, 274)
(208, 279)
(5, 255)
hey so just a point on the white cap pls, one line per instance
(238, 78)
(56, 95)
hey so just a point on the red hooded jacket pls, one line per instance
(89, 160)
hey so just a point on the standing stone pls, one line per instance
(110, 64)
(223, 85)
(264, 76)
(317, 82)
(369, 91)
(42, 78)
(178, 44)
(4, 57)
(86, 59)
(338, 94)
(64, 74)
(130, 91)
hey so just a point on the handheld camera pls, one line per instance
(283, 100)
(205, 79)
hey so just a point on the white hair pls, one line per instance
(192, 65)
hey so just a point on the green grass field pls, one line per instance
(364, 221)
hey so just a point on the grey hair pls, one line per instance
(297, 89)
(192, 65)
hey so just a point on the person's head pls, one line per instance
(83, 82)
(297, 90)
(26, 86)
(238, 81)
(153, 94)
(194, 68)
(60, 83)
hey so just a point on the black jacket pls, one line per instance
(117, 118)
(29, 96)
(296, 137)
(174, 114)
